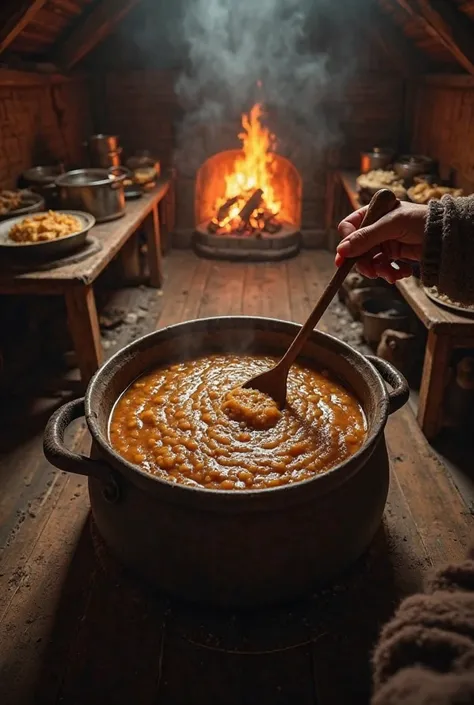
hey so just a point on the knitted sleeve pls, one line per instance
(425, 655)
(448, 251)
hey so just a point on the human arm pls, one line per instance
(440, 236)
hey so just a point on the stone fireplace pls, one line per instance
(247, 202)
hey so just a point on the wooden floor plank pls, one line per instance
(300, 307)
(196, 290)
(34, 511)
(266, 291)
(442, 520)
(177, 287)
(224, 290)
(35, 601)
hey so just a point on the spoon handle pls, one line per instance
(382, 203)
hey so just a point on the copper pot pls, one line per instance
(236, 548)
(378, 158)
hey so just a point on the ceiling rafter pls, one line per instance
(404, 54)
(14, 17)
(448, 24)
(92, 29)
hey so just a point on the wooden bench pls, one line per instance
(446, 330)
(75, 281)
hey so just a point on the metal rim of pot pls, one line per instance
(101, 139)
(414, 159)
(111, 466)
(388, 303)
(36, 175)
(113, 177)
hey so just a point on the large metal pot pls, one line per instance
(407, 167)
(378, 158)
(233, 547)
(101, 145)
(105, 161)
(97, 191)
(42, 180)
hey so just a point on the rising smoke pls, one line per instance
(233, 46)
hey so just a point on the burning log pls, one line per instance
(252, 203)
(271, 228)
(213, 226)
(270, 225)
(223, 211)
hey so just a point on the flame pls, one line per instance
(254, 170)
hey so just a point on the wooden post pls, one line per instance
(433, 383)
(130, 260)
(84, 327)
(151, 225)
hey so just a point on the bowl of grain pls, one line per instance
(46, 235)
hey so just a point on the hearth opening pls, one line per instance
(248, 200)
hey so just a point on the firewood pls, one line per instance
(213, 227)
(271, 226)
(223, 211)
(252, 203)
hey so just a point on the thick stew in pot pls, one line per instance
(192, 423)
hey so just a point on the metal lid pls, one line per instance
(41, 174)
(85, 177)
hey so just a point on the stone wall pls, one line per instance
(41, 123)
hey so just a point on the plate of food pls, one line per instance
(45, 235)
(19, 202)
(424, 192)
(443, 300)
(368, 184)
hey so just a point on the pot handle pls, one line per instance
(400, 393)
(60, 456)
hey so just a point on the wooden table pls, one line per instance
(446, 331)
(75, 281)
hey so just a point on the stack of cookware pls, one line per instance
(99, 188)
(103, 151)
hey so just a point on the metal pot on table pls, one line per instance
(101, 145)
(378, 158)
(407, 167)
(42, 180)
(106, 160)
(97, 191)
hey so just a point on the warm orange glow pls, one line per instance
(254, 170)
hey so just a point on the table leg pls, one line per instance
(155, 260)
(433, 383)
(84, 327)
(130, 260)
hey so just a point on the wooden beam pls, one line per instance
(94, 28)
(449, 80)
(404, 55)
(450, 26)
(11, 77)
(14, 18)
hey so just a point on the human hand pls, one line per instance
(398, 235)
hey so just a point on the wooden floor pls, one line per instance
(75, 629)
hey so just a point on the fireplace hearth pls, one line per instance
(248, 201)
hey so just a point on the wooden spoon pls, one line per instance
(275, 380)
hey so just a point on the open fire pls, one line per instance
(249, 204)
